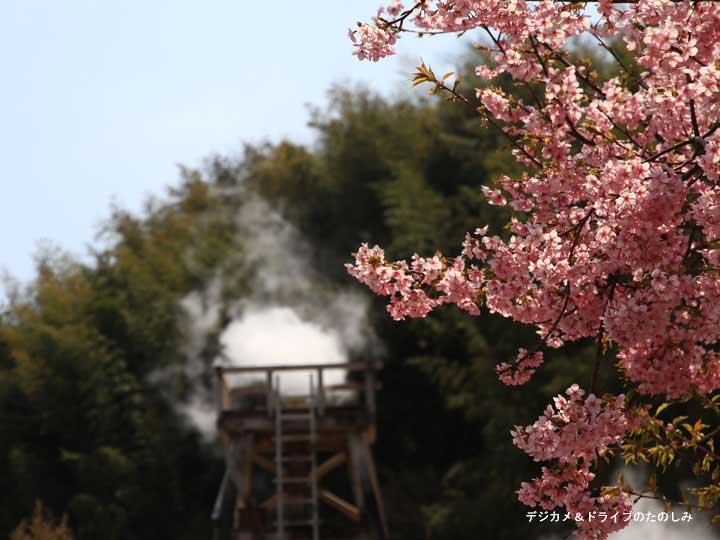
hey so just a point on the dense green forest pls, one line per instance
(89, 427)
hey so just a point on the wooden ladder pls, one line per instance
(287, 453)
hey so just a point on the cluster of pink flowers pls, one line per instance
(619, 235)
(523, 368)
(573, 433)
(376, 41)
(569, 486)
(576, 428)
(371, 42)
(409, 286)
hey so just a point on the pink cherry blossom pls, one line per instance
(522, 369)
(615, 225)
(567, 486)
(371, 42)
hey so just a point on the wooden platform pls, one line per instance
(332, 428)
(295, 442)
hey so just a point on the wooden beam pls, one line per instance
(370, 391)
(247, 444)
(349, 366)
(219, 389)
(269, 401)
(226, 403)
(375, 487)
(340, 504)
(321, 392)
(217, 508)
(270, 503)
(231, 464)
(355, 467)
(330, 464)
(264, 463)
(371, 434)
(350, 386)
(252, 390)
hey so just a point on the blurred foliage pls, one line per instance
(82, 425)
(87, 426)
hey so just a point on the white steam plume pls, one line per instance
(278, 336)
(290, 317)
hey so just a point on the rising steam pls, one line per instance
(290, 317)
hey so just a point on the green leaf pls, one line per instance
(662, 407)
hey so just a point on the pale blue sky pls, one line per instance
(101, 99)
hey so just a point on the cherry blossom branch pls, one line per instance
(576, 229)
(401, 19)
(482, 110)
(693, 118)
(617, 58)
(599, 353)
(672, 148)
(647, 166)
(665, 500)
(710, 435)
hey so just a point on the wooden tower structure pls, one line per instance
(300, 466)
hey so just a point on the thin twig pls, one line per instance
(600, 335)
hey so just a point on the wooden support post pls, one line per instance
(244, 457)
(355, 467)
(321, 392)
(241, 461)
(226, 395)
(231, 462)
(270, 390)
(370, 390)
(375, 487)
(219, 401)
(217, 508)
